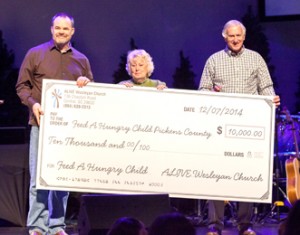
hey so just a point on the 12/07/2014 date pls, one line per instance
(220, 111)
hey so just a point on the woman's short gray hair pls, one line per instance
(232, 23)
(142, 54)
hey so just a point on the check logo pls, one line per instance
(56, 95)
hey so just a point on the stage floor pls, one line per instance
(261, 229)
(265, 221)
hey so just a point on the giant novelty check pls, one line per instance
(189, 144)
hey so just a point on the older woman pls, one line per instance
(140, 67)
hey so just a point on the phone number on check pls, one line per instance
(247, 132)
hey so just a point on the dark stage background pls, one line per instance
(163, 28)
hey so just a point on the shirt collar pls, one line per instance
(146, 80)
(53, 46)
(232, 53)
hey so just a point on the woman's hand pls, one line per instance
(161, 87)
(128, 84)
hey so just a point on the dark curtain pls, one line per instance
(14, 183)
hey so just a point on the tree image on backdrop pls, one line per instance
(256, 40)
(7, 59)
(184, 77)
(12, 112)
(121, 74)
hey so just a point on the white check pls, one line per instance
(189, 144)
